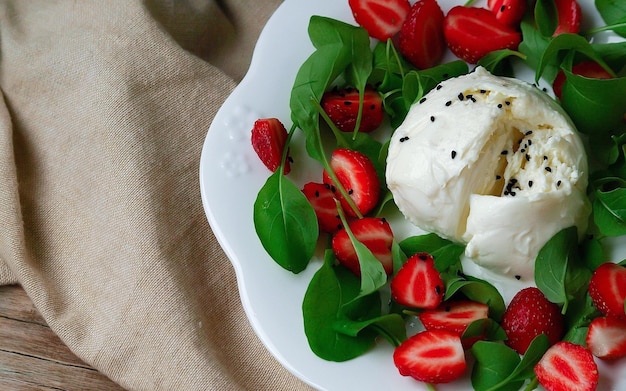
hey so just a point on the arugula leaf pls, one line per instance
(546, 17)
(498, 62)
(329, 290)
(533, 46)
(285, 223)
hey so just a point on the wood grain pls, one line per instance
(32, 357)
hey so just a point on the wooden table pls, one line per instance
(32, 357)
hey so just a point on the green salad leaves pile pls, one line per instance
(344, 315)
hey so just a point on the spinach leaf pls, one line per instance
(329, 290)
(390, 326)
(500, 368)
(582, 311)
(285, 223)
(558, 273)
(609, 211)
(546, 17)
(613, 12)
(487, 329)
(477, 290)
(497, 62)
(596, 106)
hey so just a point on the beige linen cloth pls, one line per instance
(105, 106)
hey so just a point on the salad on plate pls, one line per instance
(453, 213)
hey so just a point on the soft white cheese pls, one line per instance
(493, 163)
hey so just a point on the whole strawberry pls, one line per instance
(607, 288)
(528, 315)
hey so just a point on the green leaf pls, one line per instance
(613, 12)
(329, 290)
(533, 46)
(391, 326)
(546, 17)
(497, 63)
(477, 290)
(285, 223)
(609, 211)
(597, 106)
(551, 265)
(494, 363)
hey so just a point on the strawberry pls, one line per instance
(528, 315)
(569, 15)
(431, 356)
(454, 316)
(269, 137)
(322, 199)
(342, 107)
(567, 367)
(374, 233)
(358, 176)
(606, 338)
(508, 12)
(590, 69)
(421, 38)
(381, 18)
(607, 288)
(473, 32)
(418, 284)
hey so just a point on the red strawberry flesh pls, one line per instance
(607, 288)
(418, 283)
(606, 338)
(567, 367)
(268, 138)
(381, 18)
(342, 107)
(421, 38)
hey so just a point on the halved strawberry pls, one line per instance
(374, 233)
(473, 32)
(268, 138)
(607, 288)
(454, 316)
(569, 15)
(358, 176)
(322, 199)
(590, 69)
(528, 315)
(381, 18)
(421, 38)
(606, 338)
(418, 283)
(431, 356)
(342, 106)
(567, 366)
(509, 12)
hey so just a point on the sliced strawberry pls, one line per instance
(569, 14)
(508, 12)
(432, 356)
(358, 176)
(322, 199)
(342, 106)
(607, 288)
(590, 69)
(269, 137)
(606, 338)
(374, 233)
(421, 38)
(418, 284)
(528, 315)
(566, 367)
(473, 32)
(454, 316)
(381, 18)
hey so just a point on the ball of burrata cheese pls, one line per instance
(493, 163)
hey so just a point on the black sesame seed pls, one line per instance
(448, 103)
(518, 277)
(499, 105)
(544, 89)
(512, 194)
(530, 183)
(522, 150)
(505, 152)
(498, 177)
(460, 96)
(529, 133)
(507, 103)
(527, 156)
(422, 100)
(530, 142)
(432, 118)
(403, 139)
(453, 154)
(483, 91)
(506, 192)
(558, 183)
(545, 157)
(438, 86)
(548, 169)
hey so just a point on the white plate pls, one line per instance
(230, 177)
